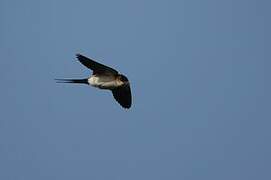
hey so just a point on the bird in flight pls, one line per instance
(104, 77)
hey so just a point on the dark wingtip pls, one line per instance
(127, 106)
(78, 56)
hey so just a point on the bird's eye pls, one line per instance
(123, 78)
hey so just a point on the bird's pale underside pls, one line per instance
(104, 77)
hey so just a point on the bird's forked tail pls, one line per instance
(77, 81)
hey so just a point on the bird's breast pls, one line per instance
(103, 82)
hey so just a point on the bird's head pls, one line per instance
(123, 79)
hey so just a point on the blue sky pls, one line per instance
(199, 75)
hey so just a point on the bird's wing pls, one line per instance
(95, 66)
(123, 95)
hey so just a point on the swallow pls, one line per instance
(107, 78)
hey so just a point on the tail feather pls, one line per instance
(77, 81)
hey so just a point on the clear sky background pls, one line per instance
(200, 77)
